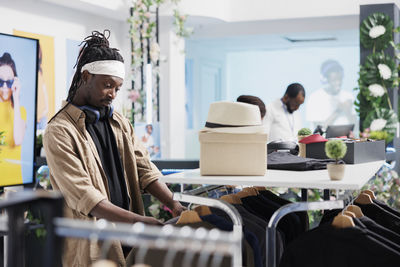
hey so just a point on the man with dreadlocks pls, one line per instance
(95, 159)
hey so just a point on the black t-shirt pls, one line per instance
(104, 139)
(331, 247)
(381, 216)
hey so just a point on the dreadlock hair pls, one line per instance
(95, 48)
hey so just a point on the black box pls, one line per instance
(357, 152)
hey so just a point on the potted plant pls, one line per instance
(302, 133)
(335, 149)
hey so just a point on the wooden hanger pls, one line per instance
(203, 210)
(370, 193)
(342, 221)
(252, 191)
(356, 210)
(349, 213)
(232, 199)
(363, 199)
(260, 188)
(242, 194)
(189, 216)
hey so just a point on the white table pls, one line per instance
(356, 176)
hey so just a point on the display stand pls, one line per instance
(356, 175)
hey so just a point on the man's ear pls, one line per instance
(85, 76)
(285, 98)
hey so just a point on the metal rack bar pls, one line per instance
(232, 213)
(149, 236)
(286, 209)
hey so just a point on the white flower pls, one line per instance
(377, 31)
(376, 90)
(377, 124)
(154, 52)
(384, 71)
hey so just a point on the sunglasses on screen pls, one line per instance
(9, 83)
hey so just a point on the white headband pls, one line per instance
(106, 67)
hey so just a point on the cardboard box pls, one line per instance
(233, 153)
(357, 152)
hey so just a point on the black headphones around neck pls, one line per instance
(93, 114)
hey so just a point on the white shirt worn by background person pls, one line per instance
(321, 105)
(280, 124)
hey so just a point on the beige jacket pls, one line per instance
(76, 171)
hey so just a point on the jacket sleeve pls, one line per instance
(147, 171)
(68, 173)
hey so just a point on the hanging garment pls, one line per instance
(295, 220)
(331, 247)
(377, 236)
(287, 161)
(381, 216)
(381, 230)
(158, 257)
(367, 222)
(249, 220)
(257, 207)
(257, 230)
(225, 225)
(303, 216)
(386, 207)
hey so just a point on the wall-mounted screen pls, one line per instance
(18, 87)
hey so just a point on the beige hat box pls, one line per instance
(232, 154)
(234, 141)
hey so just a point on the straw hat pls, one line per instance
(233, 117)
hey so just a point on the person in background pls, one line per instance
(282, 119)
(148, 141)
(254, 100)
(95, 160)
(12, 121)
(330, 105)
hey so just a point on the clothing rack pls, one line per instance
(207, 242)
(148, 236)
(232, 213)
(51, 205)
(286, 209)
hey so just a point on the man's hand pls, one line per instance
(149, 220)
(177, 209)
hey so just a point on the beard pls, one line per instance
(288, 108)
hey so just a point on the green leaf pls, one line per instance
(367, 24)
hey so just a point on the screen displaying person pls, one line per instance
(96, 161)
(282, 119)
(330, 105)
(12, 121)
(148, 141)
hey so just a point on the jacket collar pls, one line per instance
(74, 112)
